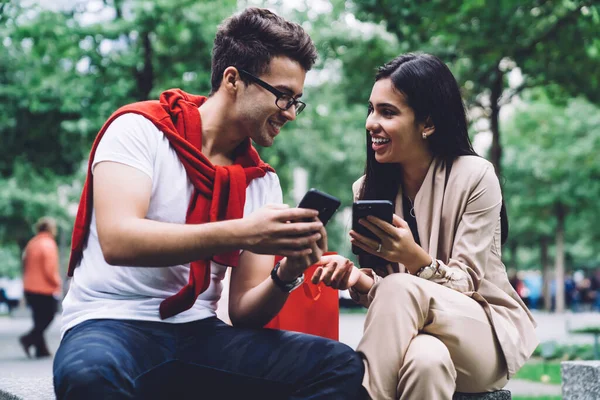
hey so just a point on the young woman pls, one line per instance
(442, 316)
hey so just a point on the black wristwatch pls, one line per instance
(286, 287)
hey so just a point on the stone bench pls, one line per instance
(497, 395)
(580, 379)
(41, 389)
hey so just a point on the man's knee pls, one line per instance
(87, 373)
(344, 361)
(352, 362)
(339, 373)
(79, 383)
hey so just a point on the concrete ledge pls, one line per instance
(26, 389)
(580, 379)
(497, 395)
(42, 389)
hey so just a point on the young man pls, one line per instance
(161, 218)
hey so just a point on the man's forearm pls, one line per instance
(259, 305)
(144, 242)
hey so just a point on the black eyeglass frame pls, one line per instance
(299, 105)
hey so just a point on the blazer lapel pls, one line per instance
(428, 207)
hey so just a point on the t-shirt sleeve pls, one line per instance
(130, 139)
(263, 191)
(274, 194)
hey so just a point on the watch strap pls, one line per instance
(285, 286)
(433, 267)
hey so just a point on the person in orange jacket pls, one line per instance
(41, 283)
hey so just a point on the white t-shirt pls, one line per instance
(99, 290)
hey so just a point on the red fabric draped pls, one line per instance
(219, 192)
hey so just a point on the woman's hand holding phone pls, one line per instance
(396, 239)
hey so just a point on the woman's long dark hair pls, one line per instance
(431, 92)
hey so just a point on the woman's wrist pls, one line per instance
(364, 283)
(421, 259)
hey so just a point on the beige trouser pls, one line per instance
(425, 341)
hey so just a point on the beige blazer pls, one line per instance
(460, 227)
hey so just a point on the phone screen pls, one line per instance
(324, 203)
(382, 209)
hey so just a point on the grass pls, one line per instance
(533, 371)
(353, 310)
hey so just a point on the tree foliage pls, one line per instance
(551, 159)
(553, 43)
(63, 72)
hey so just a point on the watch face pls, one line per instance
(296, 284)
(427, 273)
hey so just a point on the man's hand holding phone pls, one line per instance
(295, 266)
(269, 231)
(325, 205)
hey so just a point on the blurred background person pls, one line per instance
(594, 294)
(571, 293)
(522, 288)
(41, 284)
(533, 283)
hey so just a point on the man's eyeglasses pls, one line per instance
(284, 101)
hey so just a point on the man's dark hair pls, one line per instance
(250, 40)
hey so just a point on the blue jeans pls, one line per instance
(206, 359)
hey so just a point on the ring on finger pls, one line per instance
(379, 248)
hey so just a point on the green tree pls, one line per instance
(61, 77)
(37, 76)
(553, 180)
(554, 43)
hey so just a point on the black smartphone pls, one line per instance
(382, 209)
(324, 203)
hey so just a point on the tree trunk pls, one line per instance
(496, 150)
(513, 254)
(145, 77)
(546, 274)
(560, 258)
